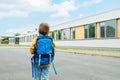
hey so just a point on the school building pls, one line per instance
(100, 30)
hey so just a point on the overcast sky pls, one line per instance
(25, 15)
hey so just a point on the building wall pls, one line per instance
(118, 28)
(80, 32)
(62, 34)
(14, 40)
(109, 43)
(97, 30)
(25, 43)
(103, 43)
(11, 40)
(71, 34)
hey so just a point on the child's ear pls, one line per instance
(49, 33)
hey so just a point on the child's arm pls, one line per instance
(32, 47)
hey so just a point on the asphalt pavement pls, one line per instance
(15, 65)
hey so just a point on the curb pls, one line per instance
(114, 55)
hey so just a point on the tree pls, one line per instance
(17, 34)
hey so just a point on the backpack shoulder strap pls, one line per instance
(45, 37)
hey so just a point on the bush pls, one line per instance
(5, 42)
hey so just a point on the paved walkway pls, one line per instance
(15, 65)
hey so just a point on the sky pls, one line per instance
(21, 16)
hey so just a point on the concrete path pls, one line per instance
(15, 65)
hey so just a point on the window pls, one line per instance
(90, 31)
(66, 34)
(52, 34)
(108, 29)
(16, 40)
(58, 35)
(102, 30)
(73, 33)
(86, 31)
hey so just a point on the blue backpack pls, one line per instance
(44, 52)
